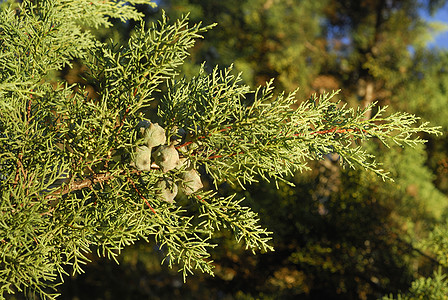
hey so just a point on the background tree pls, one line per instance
(262, 39)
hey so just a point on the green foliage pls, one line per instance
(67, 176)
(435, 287)
(427, 87)
(437, 243)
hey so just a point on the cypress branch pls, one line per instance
(67, 176)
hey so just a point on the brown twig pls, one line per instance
(336, 130)
(141, 196)
(122, 120)
(81, 184)
(19, 168)
(29, 109)
(202, 137)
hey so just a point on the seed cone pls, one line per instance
(154, 135)
(166, 157)
(142, 158)
(167, 190)
(192, 182)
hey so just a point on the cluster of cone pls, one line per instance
(166, 157)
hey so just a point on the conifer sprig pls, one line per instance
(69, 179)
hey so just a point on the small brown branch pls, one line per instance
(200, 198)
(203, 137)
(141, 196)
(29, 110)
(81, 184)
(336, 130)
(19, 168)
(220, 156)
(122, 120)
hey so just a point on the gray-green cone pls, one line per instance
(166, 157)
(167, 190)
(142, 158)
(192, 182)
(154, 135)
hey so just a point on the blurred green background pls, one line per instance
(339, 233)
